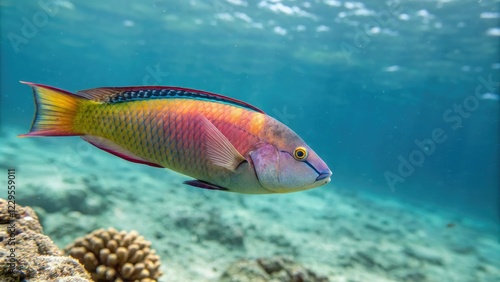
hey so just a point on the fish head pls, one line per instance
(284, 170)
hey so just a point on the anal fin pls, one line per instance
(117, 150)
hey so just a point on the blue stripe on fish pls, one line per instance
(127, 94)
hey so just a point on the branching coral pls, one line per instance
(110, 255)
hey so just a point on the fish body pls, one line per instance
(223, 143)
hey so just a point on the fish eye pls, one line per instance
(300, 153)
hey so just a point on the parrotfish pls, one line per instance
(223, 143)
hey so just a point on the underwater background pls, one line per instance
(399, 98)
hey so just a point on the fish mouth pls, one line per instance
(324, 174)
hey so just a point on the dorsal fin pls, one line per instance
(97, 94)
(134, 93)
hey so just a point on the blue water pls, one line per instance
(399, 98)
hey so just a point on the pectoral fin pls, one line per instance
(220, 151)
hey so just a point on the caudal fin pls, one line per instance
(55, 111)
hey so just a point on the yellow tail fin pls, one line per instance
(55, 111)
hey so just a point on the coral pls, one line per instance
(110, 255)
(269, 269)
(27, 254)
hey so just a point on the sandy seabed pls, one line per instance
(342, 234)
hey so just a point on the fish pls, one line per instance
(450, 225)
(222, 143)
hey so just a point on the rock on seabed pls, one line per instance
(27, 254)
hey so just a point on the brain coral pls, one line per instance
(110, 255)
